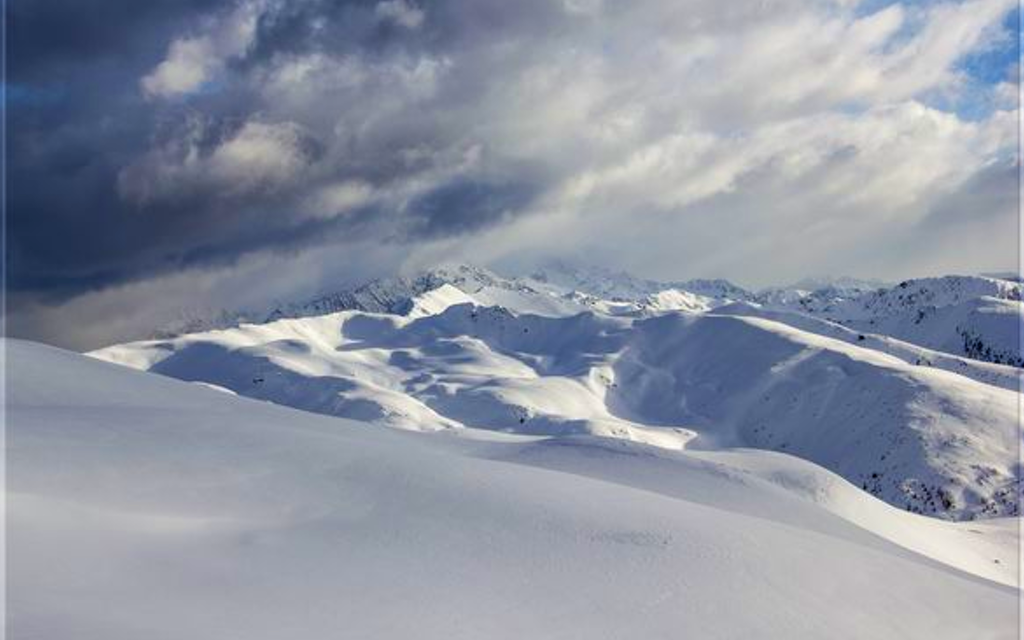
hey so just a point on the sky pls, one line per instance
(173, 157)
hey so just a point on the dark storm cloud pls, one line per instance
(217, 137)
(75, 118)
(464, 207)
(76, 121)
(53, 38)
(140, 184)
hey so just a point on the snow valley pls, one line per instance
(568, 453)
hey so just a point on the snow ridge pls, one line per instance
(923, 439)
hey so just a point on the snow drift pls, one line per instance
(143, 506)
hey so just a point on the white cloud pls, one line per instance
(193, 61)
(401, 12)
(775, 205)
(927, 61)
(729, 128)
(190, 63)
(260, 157)
(339, 198)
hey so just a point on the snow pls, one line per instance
(973, 316)
(922, 439)
(577, 453)
(605, 283)
(142, 506)
(1004, 376)
(977, 318)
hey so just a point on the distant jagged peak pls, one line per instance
(399, 294)
(608, 283)
(461, 275)
(717, 288)
(595, 280)
(557, 288)
(818, 294)
(975, 317)
(938, 292)
(850, 295)
(677, 300)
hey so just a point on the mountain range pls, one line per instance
(567, 453)
(875, 385)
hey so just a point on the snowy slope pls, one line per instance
(976, 317)
(923, 439)
(140, 506)
(1004, 376)
(952, 318)
(926, 440)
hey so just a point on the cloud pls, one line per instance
(401, 12)
(844, 190)
(176, 299)
(759, 141)
(258, 158)
(194, 61)
(190, 63)
(339, 198)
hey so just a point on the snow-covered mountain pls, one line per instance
(972, 317)
(602, 282)
(1003, 376)
(813, 294)
(923, 439)
(141, 506)
(976, 317)
(395, 295)
(615, 456)
(557, 290)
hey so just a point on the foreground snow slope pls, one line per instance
(141, 506)
(923, 439)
